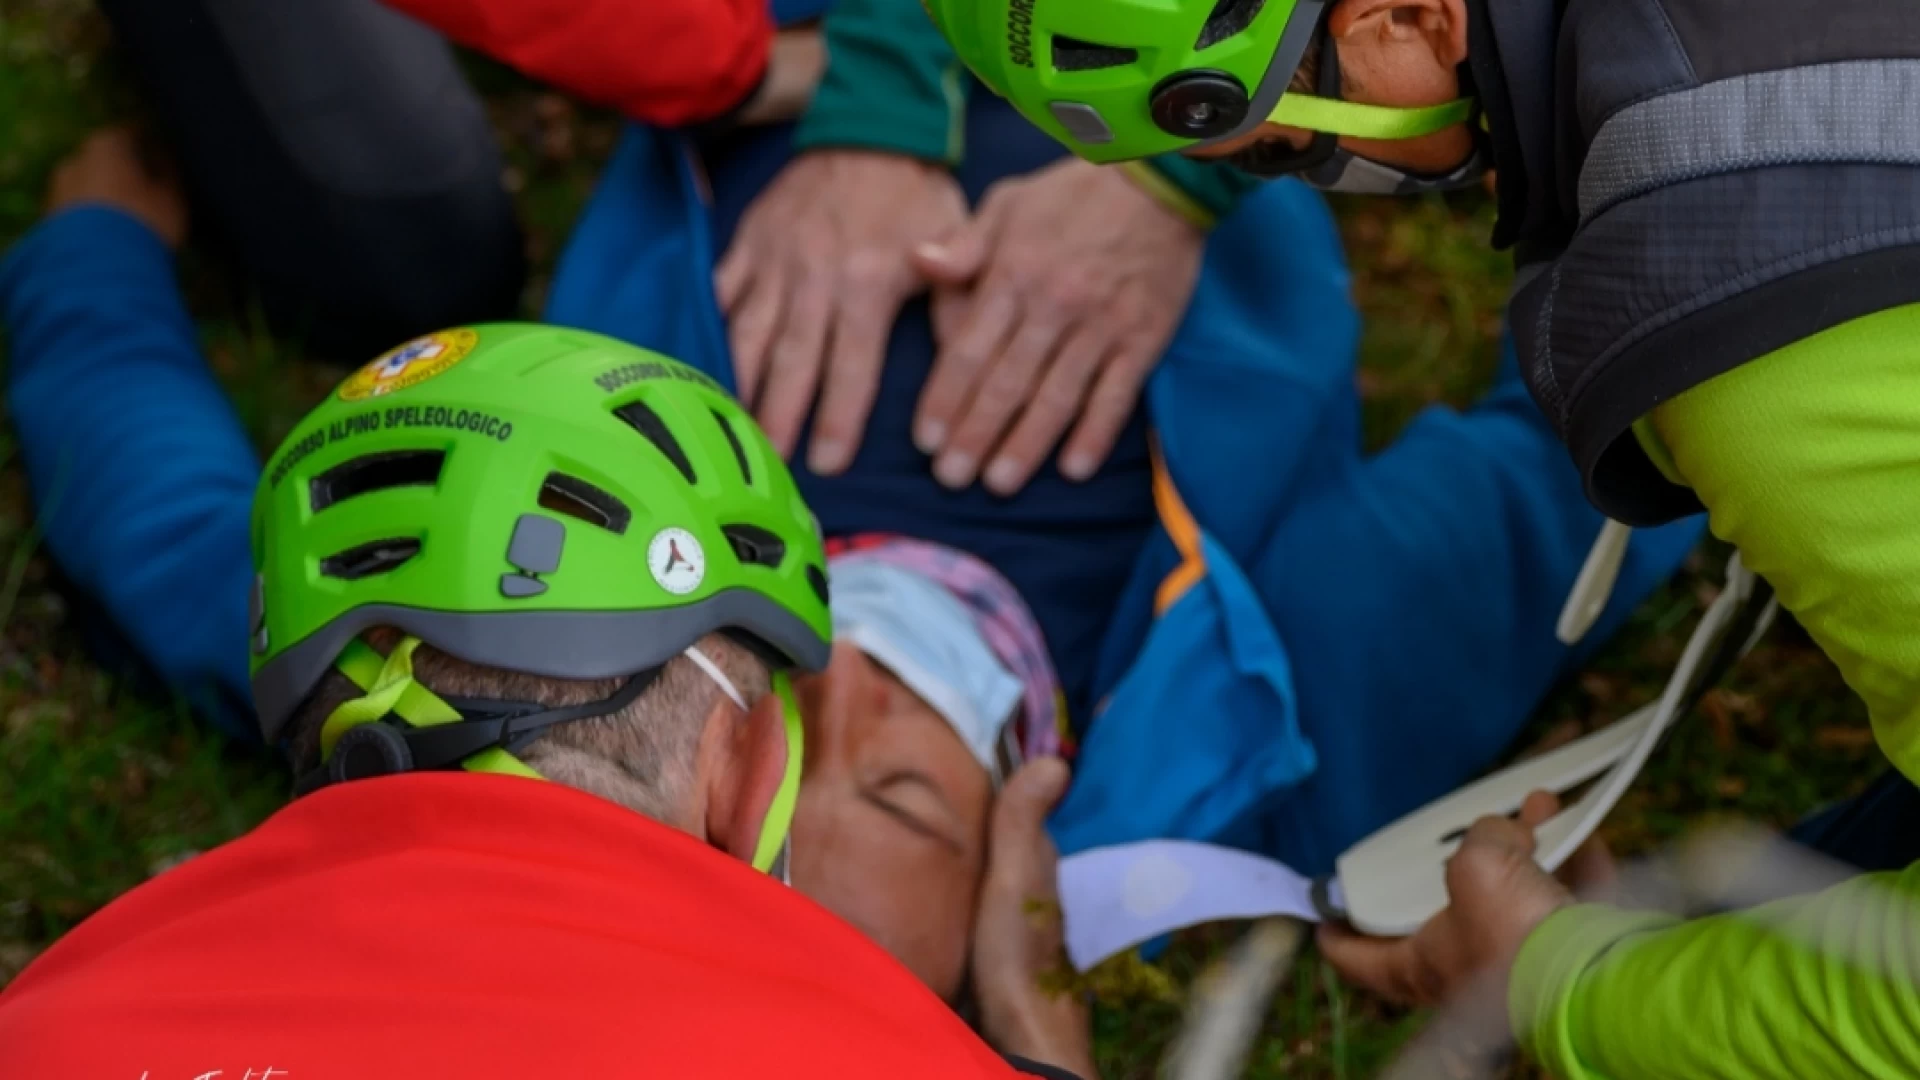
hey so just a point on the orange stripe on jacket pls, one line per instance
(1184, 531)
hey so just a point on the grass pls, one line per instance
(102, 782)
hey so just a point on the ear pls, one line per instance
(739, 795)
(1440, 25)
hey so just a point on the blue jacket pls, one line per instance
(1337, 638)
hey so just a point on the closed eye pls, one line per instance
(897, 794)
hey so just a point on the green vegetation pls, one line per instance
(102, 782)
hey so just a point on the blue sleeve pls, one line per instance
(1417, 593)
(141, 473)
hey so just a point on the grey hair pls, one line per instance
(641, 757)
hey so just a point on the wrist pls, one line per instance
(1547, 969)
(794, 66)
(1148, 181)
(1033, 1023)
(1214, 186)
(873, 156)
(1074, 1055)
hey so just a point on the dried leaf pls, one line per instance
(1370, 385)
(1719, 713)
(1851, 739)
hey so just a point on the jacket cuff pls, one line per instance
(892, 84)
(1646, 431)
(1210, 188)
(73, 244)
(1546, 975)
(1163, 191)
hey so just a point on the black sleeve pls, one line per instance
(1034, 1068)
(361, 190)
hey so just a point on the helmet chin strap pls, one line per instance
(390, 689)
(1333, 116)
(771, 854)
(1325, 164)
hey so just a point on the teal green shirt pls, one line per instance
(892, 83)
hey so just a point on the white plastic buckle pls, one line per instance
(1395, 880)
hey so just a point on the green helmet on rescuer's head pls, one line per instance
(530, 499)
(1116, 80)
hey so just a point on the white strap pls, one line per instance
(1594, 587)
(1114, 898)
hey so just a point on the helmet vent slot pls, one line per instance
(755, 546)
(817, 578)
(641, 417)
(375, 472)
(1072, 54)
(369, 559)
(1229, 17)
(576, 498)
(733, 440)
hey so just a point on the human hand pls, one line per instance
(109, 169)
(1019, 948)
(813, 282)
(794, 66)
(1497, 896)
(1051, 307)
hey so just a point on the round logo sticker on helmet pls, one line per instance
(409, 365)
(677, 561)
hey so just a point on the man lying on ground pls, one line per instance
(1264, 636)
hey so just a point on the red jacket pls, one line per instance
(472, 927)
(669, 62)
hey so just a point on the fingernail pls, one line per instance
(1077, 466)
(955, 470)
(931, 251)
(1003, 476)
(928, 435)
(826, 457)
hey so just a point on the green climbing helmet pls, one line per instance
(534, 499)
(1122, 79)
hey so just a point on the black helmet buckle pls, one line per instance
(1199, 104)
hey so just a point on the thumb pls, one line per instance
(1028, 798)
(1495, 861)
(1383, 965)
(1538, 809)
(955, 259)
(1493, 835)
